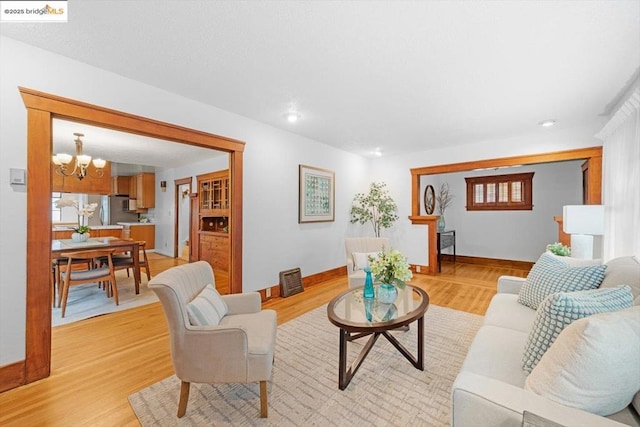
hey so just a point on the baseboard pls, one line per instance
(12, 376)
(489, 262)
(307, 281)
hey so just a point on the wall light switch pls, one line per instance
(18, 177)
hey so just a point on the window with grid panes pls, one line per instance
(500, 192)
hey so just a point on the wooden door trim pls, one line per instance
(176, 223)
(42, 108)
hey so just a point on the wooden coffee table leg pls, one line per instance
(345, 375)
(420, 364)
(342, 363)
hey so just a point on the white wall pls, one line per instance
(273, 239)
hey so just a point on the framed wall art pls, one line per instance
(316, 195)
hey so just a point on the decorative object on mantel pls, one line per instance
(377, 208)
(559, 249)
(391, 269)
(444, 198)
(429, 199)
(82, 161)
(81, 232)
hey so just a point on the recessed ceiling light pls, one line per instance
(547, 123)
(292, 116)
(378, 152)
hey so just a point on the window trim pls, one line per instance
(527, 192)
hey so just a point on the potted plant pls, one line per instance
(559, 249)
(391, 269)
(377, 208)
(81, 232)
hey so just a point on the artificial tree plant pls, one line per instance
(377, 208)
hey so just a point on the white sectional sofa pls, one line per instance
(489, 390)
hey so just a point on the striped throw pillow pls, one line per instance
(549, 275)
(559, 310)
(208, 308)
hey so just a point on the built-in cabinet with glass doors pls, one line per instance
(213, 219)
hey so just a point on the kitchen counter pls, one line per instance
(93, 227)
(129, 224)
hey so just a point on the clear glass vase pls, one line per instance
(387, 293)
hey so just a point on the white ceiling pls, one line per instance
(126, 148)
(393, 75)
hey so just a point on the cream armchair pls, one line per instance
(360, 246)
(240, 348)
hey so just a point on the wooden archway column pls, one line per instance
(42, 108)
(592, 154)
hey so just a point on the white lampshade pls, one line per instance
(584, 222)
(83, 160)
(63, 158)
(99, 163)
(583, 219)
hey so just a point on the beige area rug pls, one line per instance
(88, 300)
(386, 391)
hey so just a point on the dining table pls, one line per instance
(125, 245)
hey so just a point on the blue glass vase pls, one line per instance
(368, 284)
(387, 293)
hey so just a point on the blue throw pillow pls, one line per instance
(559, 310)
(549, 275)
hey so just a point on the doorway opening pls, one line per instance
(42, 108)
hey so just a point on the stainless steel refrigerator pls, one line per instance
(110, 210)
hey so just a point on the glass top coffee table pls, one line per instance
(357, 317)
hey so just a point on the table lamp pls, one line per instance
(585, 224)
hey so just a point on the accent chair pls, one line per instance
(214, 338)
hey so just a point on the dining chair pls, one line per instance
(57, 265)
(74, 276)
(125, 261)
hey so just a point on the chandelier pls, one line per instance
(82, 161)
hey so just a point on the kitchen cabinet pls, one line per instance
(120, 185)
(145, 194)
(214, 248)
(143, 232)
(90, 184)
(133, 187)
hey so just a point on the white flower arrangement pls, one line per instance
(86, 211)
(391, 267)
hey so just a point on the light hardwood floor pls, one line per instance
(97, 363)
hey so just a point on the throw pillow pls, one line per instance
(594, 365)
(361, 259)
(208, 308)
(549, 275)
(624, 271)
(575, 262)
(561, 309)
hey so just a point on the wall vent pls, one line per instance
(290, 282)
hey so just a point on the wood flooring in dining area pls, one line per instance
(98, 362)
